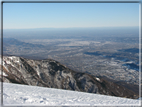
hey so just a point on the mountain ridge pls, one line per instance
(52, 74)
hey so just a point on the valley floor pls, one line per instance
(23, 95)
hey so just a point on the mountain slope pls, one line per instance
(22, 95)
(16, 47)
(50, 73)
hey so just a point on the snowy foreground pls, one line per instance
(22, 95)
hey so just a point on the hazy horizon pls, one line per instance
(63, 33)
(72, 27)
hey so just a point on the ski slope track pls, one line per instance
(23, 95)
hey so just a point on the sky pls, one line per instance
(69, 15)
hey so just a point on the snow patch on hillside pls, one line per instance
(3, 73)
(98, 79)
(21, 95)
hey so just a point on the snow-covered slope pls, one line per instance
(22, 95)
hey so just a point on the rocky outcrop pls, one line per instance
(50, 73)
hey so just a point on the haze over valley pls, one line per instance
(112, 54)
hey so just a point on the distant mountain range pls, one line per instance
(12, 46)
(50, 73)
(11, 41)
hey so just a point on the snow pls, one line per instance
(15, 59)
(38, 71)
(23, 95)
(11, 58)
(98, 79)
(8, 62)
(3, 73)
